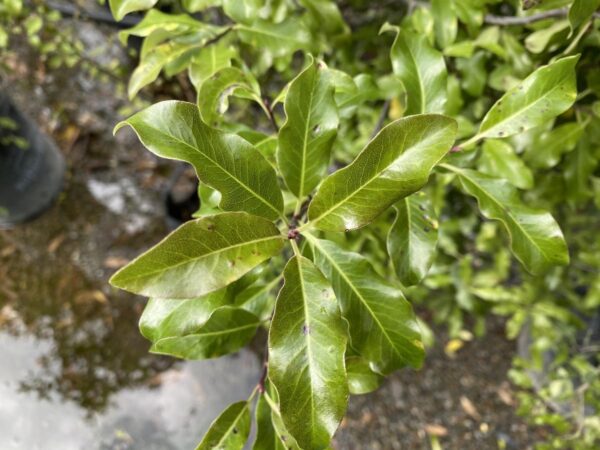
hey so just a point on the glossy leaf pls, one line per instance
(361, 379)
(500, 160)
(412, 239)
(581, 11)
(543, 95)
(307, 342)
(423, 72)
(396, 163)
(306, 138)
(120, 8)
(201, 256)
(214, 92)
(383, 328)
(224, 161)
(552, 145)
(227, 330)
(535, 237)
(230, 430)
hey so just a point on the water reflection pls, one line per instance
(74, 371)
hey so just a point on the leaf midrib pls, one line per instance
(354, 289)
(520, 111)
(370, 180)
(193, 259)
(248, 188)
(307, 339)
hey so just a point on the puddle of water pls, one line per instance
(171, 416)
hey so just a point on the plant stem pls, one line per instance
(382, 116)
(295, 247)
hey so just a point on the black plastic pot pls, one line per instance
(31, 167)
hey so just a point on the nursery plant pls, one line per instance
(345, 161)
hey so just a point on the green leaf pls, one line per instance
(545, 38)
(177, 317)
(543, 95)
(326, 16)
(500, 160)
(266, 438)
(393, 165)
(120, 8)
(193, 6)
(412, 239)
(223, 161)
(243, 11)
(258, 298)
(227, 330)
(550, 147)
(307, 342)
(175, 54)
(361, 379)
(422, 71)
(581, 11)
(306, 138)
(201, 256)
(535, 237)
(155, 20)
(446, 24)
(230, 430)
(213, 95)
(579, 167)
(383, 328)
(278, 39)
(209, 61)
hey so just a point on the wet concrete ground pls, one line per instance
(74, 371)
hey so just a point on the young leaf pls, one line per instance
(201, 256)
(226, 331)
(412, 239)
(120, 8)
(307, 342)
(500, 160)
(581, 11)
(423, 72)
(361, 379)
(230, 430)
(396, 163)
(383, 328)
(535, 237)
(306, 138)
(543, 95)
(212, 97)
(223, 161)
